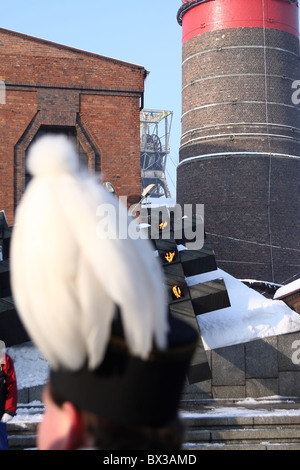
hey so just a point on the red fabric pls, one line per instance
(11, 385)
(217, 15)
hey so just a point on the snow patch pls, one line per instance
(251, 316)
(30, 366)
(288, 289)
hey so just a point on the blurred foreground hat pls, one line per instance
(93, 301)
(130, 390)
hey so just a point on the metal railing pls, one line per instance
(188, 5)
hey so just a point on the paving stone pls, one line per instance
(228, 366)
(261, 358)
(289, 383)
(232, 391)
(289, 352)
(262, 387)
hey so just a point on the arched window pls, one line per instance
(70, 132)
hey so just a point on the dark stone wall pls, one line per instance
(260, 368)
(251, 206)
(238, 117)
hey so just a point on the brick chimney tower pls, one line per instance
(240, 142)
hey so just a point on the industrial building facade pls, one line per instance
(240, 142)
(93, 99)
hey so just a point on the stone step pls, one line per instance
(21, 441)
(212, 428)
(230, 426)
(265, 439)
(244, 436)
(234, 424)
(251, 422)
(243, 447)
(222, 442)
(21, 428)
(21, 435)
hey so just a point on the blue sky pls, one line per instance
(142, 32)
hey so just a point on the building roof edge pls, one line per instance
(69, 48)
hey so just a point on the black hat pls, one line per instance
(127, 389)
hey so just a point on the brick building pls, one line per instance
(240, 142)
(95, 100)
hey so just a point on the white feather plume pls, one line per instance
(67, 276)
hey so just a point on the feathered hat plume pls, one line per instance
(68, 277)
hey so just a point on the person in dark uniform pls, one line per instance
(8, 393)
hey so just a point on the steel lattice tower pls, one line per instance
(155, 128)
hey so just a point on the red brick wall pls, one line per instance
(120, 155)
(32, 60)
(54, 85)
(15, 116)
